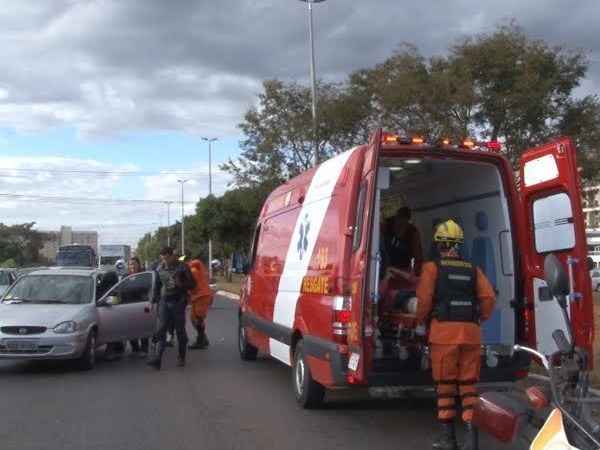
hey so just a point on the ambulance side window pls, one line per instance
(255, 246)
(553, 223)
(358, 221)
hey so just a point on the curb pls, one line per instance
(229, 295)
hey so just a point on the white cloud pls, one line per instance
(116, 222)
(104, 67)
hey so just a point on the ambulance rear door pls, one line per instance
(554, 223)
(363, 266)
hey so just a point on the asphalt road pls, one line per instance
(216, 402)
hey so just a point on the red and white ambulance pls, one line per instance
(311, 293)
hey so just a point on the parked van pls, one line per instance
(311, 295)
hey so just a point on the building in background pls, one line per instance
(591, 211)
(66, 236)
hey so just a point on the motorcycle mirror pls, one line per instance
(556, 278)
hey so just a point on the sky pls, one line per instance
(110, 99)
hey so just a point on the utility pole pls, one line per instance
(210, 141)
(168, 223)
(313, 77)
(182, 218)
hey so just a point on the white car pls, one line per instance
(67, 313)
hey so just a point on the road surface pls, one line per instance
(217, 402)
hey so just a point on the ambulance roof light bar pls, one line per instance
(464, 144)
(390, 138)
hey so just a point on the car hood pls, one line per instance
(49, 316)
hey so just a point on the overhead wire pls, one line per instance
(49, 198)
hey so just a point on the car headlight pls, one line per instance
(66, 327)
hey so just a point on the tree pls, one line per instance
(21, 244)
(581, 121)
(501, 86)
(523, 87)
(279, 138)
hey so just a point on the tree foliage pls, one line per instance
(501, 85)
(229, 220)
(20, 245)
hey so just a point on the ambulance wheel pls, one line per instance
(309, 393)
(248, 351)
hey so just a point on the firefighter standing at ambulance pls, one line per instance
(457, 297)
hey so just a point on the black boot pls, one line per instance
(201, 340)
(471, 437)
(181, 354)
(204, 340)
(447, 438)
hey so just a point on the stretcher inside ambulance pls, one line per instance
(326, 295)
(470, 192)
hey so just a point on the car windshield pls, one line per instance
(81, 259)
(109, 260)
(68, 289)
(4, 279)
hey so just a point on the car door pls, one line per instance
(554, 223)
(135, 298)
(124, 311)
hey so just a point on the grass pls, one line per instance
(232, 286)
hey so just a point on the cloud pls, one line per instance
(112, 66)
(116, 222)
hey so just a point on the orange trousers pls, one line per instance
(456, 372)
(200, 307)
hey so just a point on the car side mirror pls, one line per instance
(556, 278)
(111, 300)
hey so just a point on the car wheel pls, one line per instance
(309, 394)
(248, 352)
(87, 360)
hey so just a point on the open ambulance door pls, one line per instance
(363, 267)
(554, 223)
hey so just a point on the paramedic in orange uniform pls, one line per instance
(458, 297)
(200, 299)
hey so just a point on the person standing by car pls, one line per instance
(200, 299)
(458, 297)
(138, 346)
(174, 282)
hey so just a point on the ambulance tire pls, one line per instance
(309, 393)
(248, 352)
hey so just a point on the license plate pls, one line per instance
(21, 346)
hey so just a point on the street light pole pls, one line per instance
(168, 223)
(313, 77)
(210, 141)
(182, 218)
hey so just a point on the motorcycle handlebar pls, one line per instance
(521, 348)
